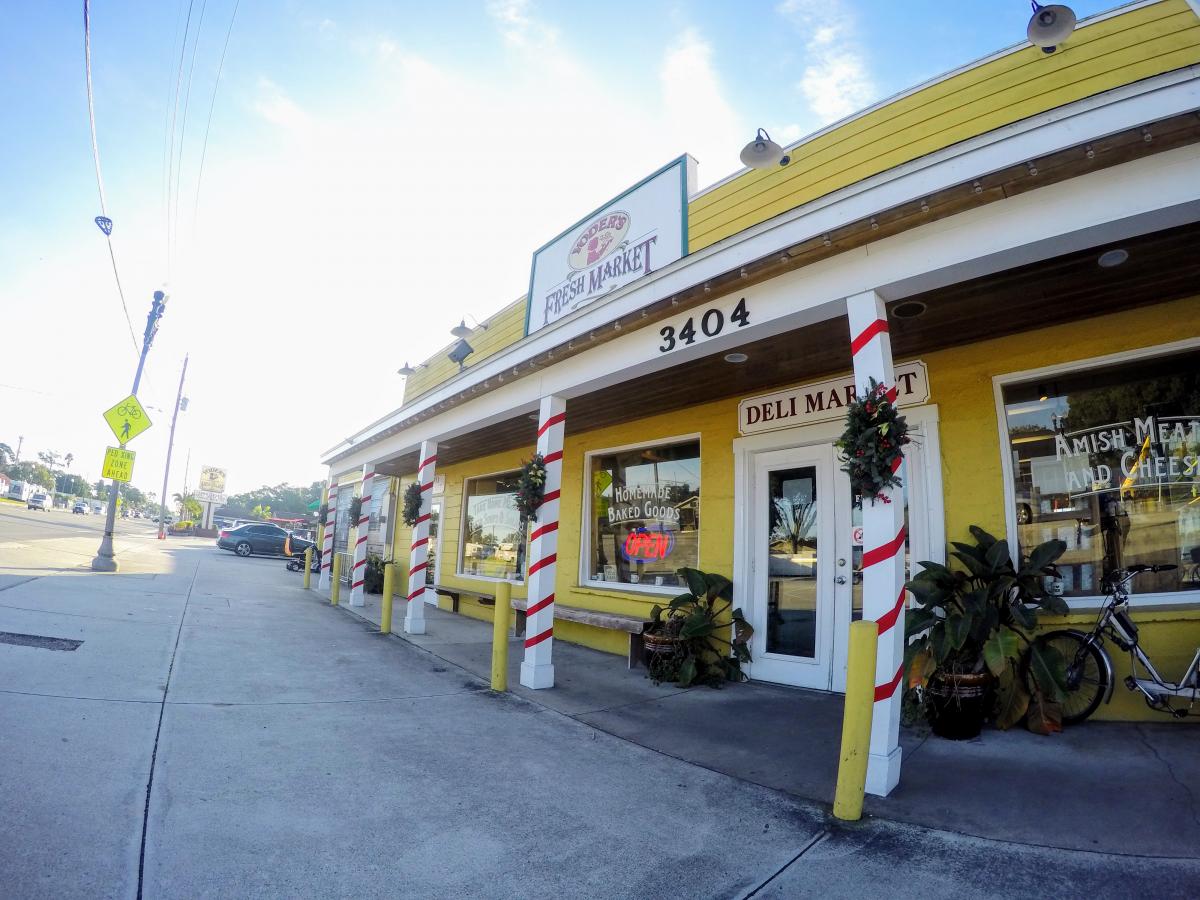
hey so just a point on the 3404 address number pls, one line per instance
(712, 322)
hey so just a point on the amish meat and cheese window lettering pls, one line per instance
(1108, 460)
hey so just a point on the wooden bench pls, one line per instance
(632, 625)
(454, 593)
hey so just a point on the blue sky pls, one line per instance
(375, 171)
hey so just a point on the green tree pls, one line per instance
(75, 485)
(262, 511)
(50, 459)
(34, 473)
(189, 506)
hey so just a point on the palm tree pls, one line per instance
(6, 454)
(68, 459)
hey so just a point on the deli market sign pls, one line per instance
(636, 233)
(823, 401)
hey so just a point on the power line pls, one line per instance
(87, 64)
(212, 104)
(171, 152)
(187, 97)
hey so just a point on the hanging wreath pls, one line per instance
(412, 504)
(355, 510)
(872, 443)
(531, 487)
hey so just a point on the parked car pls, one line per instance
(81, 508)
(39, 501)
(259, 539)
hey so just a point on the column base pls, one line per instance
(357, 599)
(883, 773)
(537, 677)
(101, 563)
(413, 624)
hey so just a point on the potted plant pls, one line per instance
(683, 641)
(970, 648)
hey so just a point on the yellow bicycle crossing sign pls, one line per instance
(127, 419)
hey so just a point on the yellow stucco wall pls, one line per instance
(961, 386)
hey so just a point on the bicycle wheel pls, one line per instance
(1087, 676)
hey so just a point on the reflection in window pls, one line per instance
(435, 516)
(792, 562)
(1107, 461)
(645, 514)
(493, 542)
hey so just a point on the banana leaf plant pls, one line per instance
(697, 621)
(980, 617)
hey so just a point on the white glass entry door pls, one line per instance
(795, 596)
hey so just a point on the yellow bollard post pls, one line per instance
(335, 583)
(385, 606)
(500, 636)
(856, 721)
(307, 567)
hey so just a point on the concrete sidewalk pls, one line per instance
(220, 732)
(1078, 790)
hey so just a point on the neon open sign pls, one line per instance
(643, 545)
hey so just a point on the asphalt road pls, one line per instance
(197, 725)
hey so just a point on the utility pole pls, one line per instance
(162, 508)
(105, 559)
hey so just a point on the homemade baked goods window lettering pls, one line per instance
(645, 514)
(1108, 460)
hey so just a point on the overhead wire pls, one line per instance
(87, 63)
(187, 97)
(174, 112)
(212, 104)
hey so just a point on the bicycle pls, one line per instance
(1089, 667)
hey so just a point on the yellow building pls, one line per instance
(1030, 225)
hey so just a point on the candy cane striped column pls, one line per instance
(537, 670)
(883, 553)
(358, 572)
(418, 557)
(327, 538)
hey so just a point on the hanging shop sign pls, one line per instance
(824, 401)
(637, 233)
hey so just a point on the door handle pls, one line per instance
(841, 579)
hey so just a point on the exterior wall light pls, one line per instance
(1050, 25)
(763, 153)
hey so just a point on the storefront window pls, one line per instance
(493, 543)
(435, 516)
(1108, 460)
(645, 514)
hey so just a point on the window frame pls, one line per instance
(999, 382)
(583, 572)
(462, 527)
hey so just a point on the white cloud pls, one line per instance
(517, 24)
(836, 81)
(696, 108)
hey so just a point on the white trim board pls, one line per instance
(1137, 197)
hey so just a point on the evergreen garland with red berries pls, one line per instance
(531, 487)
(412, 504)
(873, 441)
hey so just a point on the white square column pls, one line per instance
(418, 556)
(883, 553)
(537, 670)
(327, 537)
(358, 572)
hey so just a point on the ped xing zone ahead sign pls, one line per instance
(118, 464)
(634, 234)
